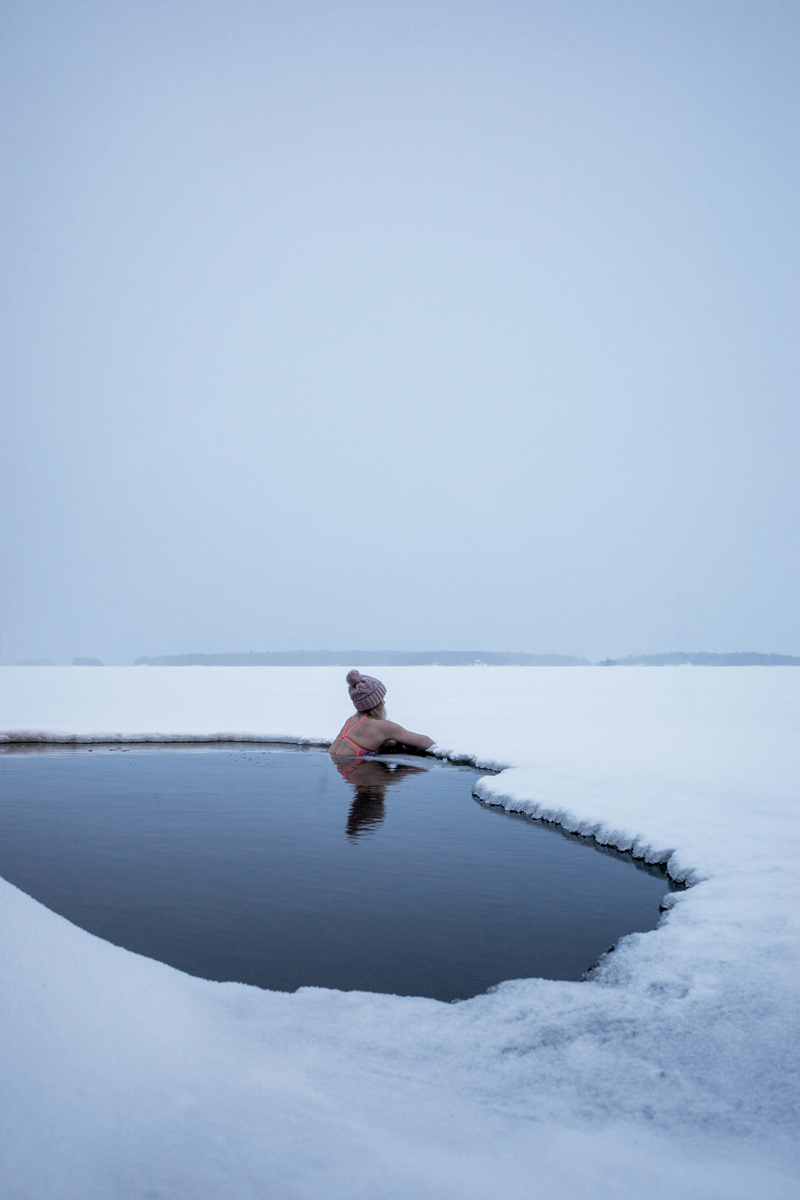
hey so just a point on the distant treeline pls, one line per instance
(456, 658)
(680, 658)
(364, 658)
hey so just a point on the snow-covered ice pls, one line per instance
(674, 1071)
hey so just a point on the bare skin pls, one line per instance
(371, 733)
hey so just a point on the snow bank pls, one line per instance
(674, 1071)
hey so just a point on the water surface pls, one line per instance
(269, 867)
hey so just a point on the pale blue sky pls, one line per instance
(416, 326)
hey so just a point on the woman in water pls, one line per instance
(367, 732)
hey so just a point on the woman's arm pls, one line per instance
(392, 732)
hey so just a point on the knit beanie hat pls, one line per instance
(365, 691)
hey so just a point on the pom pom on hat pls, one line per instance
(365, 691)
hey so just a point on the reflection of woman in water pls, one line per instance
(361, 738)
(369, 780)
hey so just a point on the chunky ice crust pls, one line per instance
(672, 1072)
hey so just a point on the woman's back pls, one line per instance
(368, 729)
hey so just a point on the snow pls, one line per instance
(672, 1072)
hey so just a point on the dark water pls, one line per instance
(268, 867)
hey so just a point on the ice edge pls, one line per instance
(483, 788)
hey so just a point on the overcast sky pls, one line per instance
(433, 325)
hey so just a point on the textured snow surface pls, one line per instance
(673, 1072)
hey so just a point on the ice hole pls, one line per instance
(267, 866)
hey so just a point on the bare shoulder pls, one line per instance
(391, 731)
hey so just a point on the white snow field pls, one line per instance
(673, 1072)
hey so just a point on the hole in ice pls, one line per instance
(268, 867)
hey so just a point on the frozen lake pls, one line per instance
(674, 1064)
(267, 866)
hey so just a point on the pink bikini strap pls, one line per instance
(349, 729)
